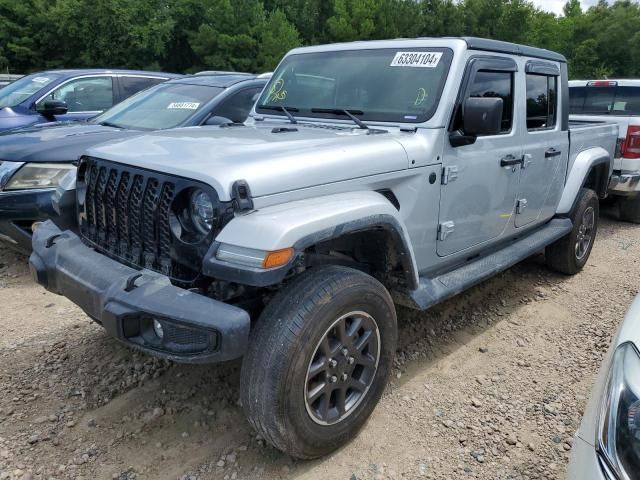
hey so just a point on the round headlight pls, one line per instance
(203, 212)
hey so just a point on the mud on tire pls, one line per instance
(318, 360)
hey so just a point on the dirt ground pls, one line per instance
(489, 385)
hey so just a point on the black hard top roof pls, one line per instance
(474, 43)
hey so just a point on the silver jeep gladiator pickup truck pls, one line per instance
(369, 173)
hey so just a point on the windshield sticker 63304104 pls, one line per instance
(184, 105)
(416, 59)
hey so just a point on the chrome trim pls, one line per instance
(625, 183)
(99, 75)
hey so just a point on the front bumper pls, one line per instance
(585, 463)
(125, 301)
(627, 184)
(19, 210)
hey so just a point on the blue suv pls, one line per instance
(62, 95)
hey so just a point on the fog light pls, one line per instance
(158, 330)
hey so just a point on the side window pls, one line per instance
(91, 94)
(542, 101)
(237, 107)
(488, 83)
(131, 85)
(577, 96)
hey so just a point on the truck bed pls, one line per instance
(586, 134)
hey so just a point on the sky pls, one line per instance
(555, 6)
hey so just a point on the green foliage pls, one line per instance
(252, 35)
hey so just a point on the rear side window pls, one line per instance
(542, 101)
(496, 84)
(604, 100)
(131, 85)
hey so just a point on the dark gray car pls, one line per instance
(33, 160)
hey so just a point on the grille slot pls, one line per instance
(126, 214)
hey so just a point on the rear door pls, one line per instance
(546, 145)
(481, 179)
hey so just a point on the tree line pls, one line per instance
(252, 35)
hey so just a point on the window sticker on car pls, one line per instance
(184, 105)
(277, 92)
(40, 79)
(416, 59)
(421, 97)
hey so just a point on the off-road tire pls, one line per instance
(563, 255)
(275, 370)
(629, 209)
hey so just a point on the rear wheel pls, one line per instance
(318, 361)
(629, 209)
(569, 254)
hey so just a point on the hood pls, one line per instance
(16, 117)
(272, 158)
(61, 142)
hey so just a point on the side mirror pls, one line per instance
(53, 107)
(482, 116)
(216, 120)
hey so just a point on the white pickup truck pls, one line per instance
(615, 101)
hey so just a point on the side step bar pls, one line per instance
(435, 290)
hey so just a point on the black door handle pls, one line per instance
(510, 161)
(552, 152)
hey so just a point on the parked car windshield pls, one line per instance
(390, 85)
(18, 91)
(604, 100)
(166, 105)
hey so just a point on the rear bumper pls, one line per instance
(624, 184)
(18, 211)
(125, 301)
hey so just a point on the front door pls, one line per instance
(85, 97)
(546, 146)
(480, 182)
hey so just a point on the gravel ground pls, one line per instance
(489, 385)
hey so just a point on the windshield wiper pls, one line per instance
(343, 111)
(285, 110)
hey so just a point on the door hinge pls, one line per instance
(449, 174)
(444, 229)
(521, 205)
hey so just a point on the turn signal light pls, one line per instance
(277, 258)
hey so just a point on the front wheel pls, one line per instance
(569, 254)
(318, 360)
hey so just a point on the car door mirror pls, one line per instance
(216, 120)
(482, 116)
(53, 107)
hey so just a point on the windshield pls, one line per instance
(18, 91)
(163, 106)
(388, 85)
(604, 100)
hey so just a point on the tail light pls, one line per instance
(631, 145)
(602, 83)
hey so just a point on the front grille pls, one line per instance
(126, 212)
